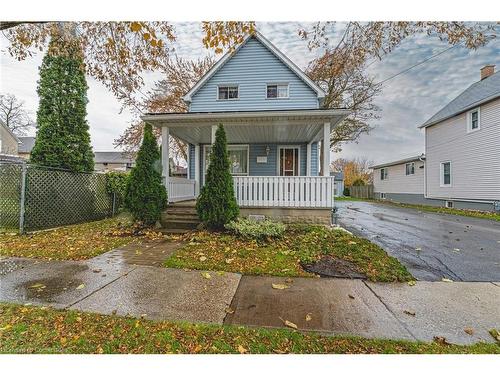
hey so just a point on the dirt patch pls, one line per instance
(329, 266)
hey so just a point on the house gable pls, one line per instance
(254, 65)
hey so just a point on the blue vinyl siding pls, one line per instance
(252, 68)
(191, 161)
(314, 159)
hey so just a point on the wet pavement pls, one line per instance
(111, 284)
(432, 246)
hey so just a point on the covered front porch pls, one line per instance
(278, 158)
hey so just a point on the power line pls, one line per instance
(417, 64)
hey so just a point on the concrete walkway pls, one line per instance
(114, 284)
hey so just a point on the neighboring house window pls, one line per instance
(277, 91)
(410, 169)
(445, 179)
(105, 164)
(228, 92)
(128, 165)
(382, 196)
(473, 120)
(384, 174)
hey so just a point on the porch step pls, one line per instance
(180, 216)
(174, 231)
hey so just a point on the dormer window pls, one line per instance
(228, 92)
(277, 91)
(473, 120)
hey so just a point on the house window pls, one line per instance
(445, 179)
(410, 169)
(238, 159)
(228, 92)
(382, 196)
(473, 120)
(277, 91)
(449, 204)
(384, 174)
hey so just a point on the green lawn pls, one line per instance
(29, 329)
(281, 257)
(80, 241)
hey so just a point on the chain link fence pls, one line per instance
(34, 197)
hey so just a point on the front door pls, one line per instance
(289, 161)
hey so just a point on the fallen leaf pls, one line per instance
(457, 250)
(412, 283)
(289, 324)
(308, 317)
(229, 310)
(351, 296)
(206, 275)
(81, 286)
(280, 286)
(38, 286)
(352, 243)
(446, 280)
(229, 261)
(202, 259)
(6, 327)
(418, 249)
(441, 340)
(495, 333)
(469, 331)
(241, 349)
(409, 312)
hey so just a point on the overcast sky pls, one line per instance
(406, 101)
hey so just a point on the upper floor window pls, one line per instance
(277, 91)
(228, 92)
(445, 177)
(384, 174)
(473, 120)
(410, 168)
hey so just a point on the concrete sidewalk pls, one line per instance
(109, 285)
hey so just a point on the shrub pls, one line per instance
(216, 205)
(359, 182)
(116, 183)
(145, 194)
(346, 192)
(258, 230)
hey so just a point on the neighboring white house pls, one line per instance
(462, 153)
(9, 143)
(401, 180)
(105, 161)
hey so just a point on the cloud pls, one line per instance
(406, 101)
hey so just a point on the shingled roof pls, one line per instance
(475, 95)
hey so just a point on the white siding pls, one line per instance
(398, 181)
(475, 156)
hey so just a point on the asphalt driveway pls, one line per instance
(432, 246)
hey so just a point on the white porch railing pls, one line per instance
(181, 189)
(280, 191)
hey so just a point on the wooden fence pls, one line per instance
(361, 191)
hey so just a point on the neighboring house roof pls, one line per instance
(26, 144)
(400, 161)
(339, 176)
(115, 157)
(266, 43)
(9, 131)
(476, 94)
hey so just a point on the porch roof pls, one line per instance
(282, 126)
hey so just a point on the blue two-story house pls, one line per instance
(278, 135)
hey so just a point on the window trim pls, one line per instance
(278, 84)
(406, 170)
(227, 85)
(386, 174)
(469, 120)
(441, 174)
(229, 147)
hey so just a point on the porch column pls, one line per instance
(326, 149)
(308, 160)
(197, 169)
(214, 129)
(165, 161)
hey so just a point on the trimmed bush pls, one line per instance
(216, 205)
(116, 183)
(346, 192)
(145, 195)
(359, 182)
(258, 230)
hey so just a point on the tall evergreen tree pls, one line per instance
(216, 204)
(63, 138)
(145, 195)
